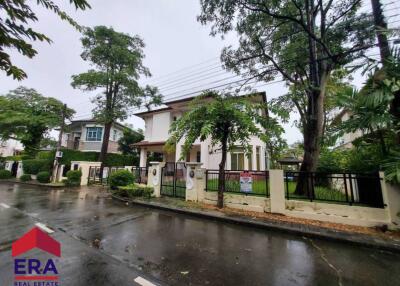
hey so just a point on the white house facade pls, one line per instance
(87, 136)
(157, 125)
(345, 141)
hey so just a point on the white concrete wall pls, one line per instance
(161, 125)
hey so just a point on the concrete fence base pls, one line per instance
(277, 203)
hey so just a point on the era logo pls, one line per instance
(34, 269)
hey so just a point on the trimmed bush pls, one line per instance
(43, 177)
(73, 178)
(5, 174)
(34, 166)
(135, 190)
(25, 178)
(120, 178)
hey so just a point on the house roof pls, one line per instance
(147, 143)
(83, 121)
(289, 160)
(187, 99)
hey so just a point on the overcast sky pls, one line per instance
(179, 51)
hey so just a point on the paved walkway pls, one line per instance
(105, 242)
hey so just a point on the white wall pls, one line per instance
(161, 125)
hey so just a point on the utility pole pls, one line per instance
(380, 28)
(56, 157)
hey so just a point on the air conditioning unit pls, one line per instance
(59, 154)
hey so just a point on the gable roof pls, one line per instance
(85, 121)
(188, 99)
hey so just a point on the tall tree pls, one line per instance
(128, 139)
(117, 65)
(302, 41)
(228, 120)
(15, 30)
(27, 116)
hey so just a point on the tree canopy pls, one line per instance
(117, 61)
(130, 137)
(28, 116)
(16, 32)
(299, 42)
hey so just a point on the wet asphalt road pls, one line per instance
(105, 242)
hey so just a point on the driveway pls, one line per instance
(105, 242)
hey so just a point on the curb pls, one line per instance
(287, 227)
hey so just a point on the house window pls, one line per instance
(115, 134)
(258, 163)
(198, 156)
(94, 133)
(237, 159)
(250, 160)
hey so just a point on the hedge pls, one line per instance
(25, 178)
(120, 178)
(135, 190)
(73, 178)
(5, 174)
(112, 160)
(43, 177)
(34, 166)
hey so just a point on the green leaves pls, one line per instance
(27, 116)
(15, 30)
(220, 117)
(116, 59)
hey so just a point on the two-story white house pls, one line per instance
(346, 140)
(157, 125)
(87, 135)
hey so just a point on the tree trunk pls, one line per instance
(312, 133)
(221, 176)
(104, 146)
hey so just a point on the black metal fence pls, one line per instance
(94, 174)
(345, 188)
(173, 179)
(141, 174)
(259, 185)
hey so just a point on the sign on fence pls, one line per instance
(246, 182)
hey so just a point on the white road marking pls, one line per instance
(44, 227)
(141, 281)
(4, 206)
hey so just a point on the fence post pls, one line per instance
(154, 177)
(194, 181)
(391, 200)
(277, 191)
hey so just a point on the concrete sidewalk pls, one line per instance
(379, 242)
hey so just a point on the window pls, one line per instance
(237, 159)
(250, 160)
(94, 133)
(258, 158)
(198, 156)
(115, 134)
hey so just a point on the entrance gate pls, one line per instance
(173, 179)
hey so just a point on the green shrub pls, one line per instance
(113, 160)
(73, 178)
(34, 166)
(25, 178)
(135, 190)
(120, 178)
(5, 174)
(43, 177)
(45, 155)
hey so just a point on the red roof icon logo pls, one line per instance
(36, 238)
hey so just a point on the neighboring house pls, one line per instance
(87, 135)
(10, 147)
(157, 125)
(346, 140)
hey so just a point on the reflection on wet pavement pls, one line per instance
(108, 243)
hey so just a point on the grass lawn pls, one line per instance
(260, 188)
